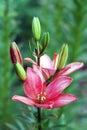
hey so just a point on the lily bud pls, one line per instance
(63, 55)
(36, 28)
(15, 54)
(45, 39)
(20, 71)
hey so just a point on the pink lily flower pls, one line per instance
(42, 96)
(49, 66)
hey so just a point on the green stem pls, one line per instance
(38, 109)
(39, 118)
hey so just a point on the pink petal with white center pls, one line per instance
(30, 60)
(46, 62)
(23, 100)
(57, 86)
(32, 84)
(72, 67)
(64, 99)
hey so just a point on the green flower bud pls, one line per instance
(45, 39)
(15, 54)
(36, 28)
(20, 71)
(63, 55)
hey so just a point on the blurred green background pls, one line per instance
(66, 21)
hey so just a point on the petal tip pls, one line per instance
(75, 98)
(82, 64)
(14, 97)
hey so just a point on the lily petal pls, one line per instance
(30, 102)
(64, 99)
(38, 70)
(45, 105)
(61, 72)
(72, 67)
(46, 62)
(32, 84)
(47, 72)
(57, 86)
(23, 100)
(30, 60)
(61, 100)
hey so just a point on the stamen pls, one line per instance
(41, 98)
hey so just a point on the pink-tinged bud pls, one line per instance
(15, 54)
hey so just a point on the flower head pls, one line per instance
(49, 68)
(45, 96)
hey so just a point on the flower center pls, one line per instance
(41, 98)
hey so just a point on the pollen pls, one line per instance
(41, 98)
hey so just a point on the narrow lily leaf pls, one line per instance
(20, 125)
(11, 127)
